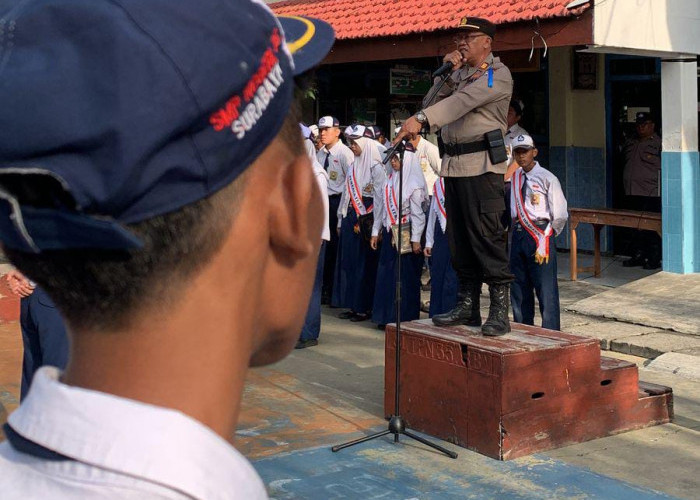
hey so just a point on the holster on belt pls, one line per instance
(492, 142)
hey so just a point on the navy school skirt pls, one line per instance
(355, 267)
(443, 279)
(384, 309)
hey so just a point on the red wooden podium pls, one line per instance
(510, 396)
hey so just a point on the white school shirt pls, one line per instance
(339, 163)
(432, 220)
(372, 190)
(121, 449)
(414, 209)
(544, 201)
(322, 180)
(510, 137)
(430, 163)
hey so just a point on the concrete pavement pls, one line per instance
(325, 395)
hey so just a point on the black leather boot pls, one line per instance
(467, 311)
(498, 323)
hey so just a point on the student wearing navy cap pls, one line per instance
(539, 212)
(336, 158)
(356, 265)
(154, 182)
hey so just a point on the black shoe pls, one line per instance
(651, 264)
(497, 323)
(357, 317)
(466, 312)
(303, 344)
(346, 315)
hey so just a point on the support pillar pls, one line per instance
(680, 166)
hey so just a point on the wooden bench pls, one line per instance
(600, 217)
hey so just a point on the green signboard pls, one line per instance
(409, 81)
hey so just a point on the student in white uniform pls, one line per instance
(428, 159)
(414, 196)
(356, 265)
(444, 285)
(335, 158)
(163, 237)
(515, 113)
(539, 212)
(312, 324)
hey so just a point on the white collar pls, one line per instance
(156, 444)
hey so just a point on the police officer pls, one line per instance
(641, 182)
(473, 102)
(336, 158)
(539, 212)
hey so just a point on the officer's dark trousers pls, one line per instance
(43, 336)
(331, 247)
(475, 232)
(529, 276)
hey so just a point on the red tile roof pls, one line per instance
(377, 18)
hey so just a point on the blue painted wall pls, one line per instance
(681, 211)
(582, 174)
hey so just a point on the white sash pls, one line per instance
(355, 196)
(392, 207)
(439, 193)
(541, 237)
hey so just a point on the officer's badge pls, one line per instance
(535, 198)
(463, 22)
(333, 175)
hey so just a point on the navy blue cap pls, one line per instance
(643, 116)
(114, 112)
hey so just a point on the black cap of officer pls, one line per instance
(644, 116)
(477, 24)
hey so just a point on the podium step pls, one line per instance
(506, 397)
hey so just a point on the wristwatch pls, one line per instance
(421, 118)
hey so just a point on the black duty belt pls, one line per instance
(466, 148)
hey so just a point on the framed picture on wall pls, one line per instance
(584, 71)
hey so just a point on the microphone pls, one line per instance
(395, 149)
(445, 68)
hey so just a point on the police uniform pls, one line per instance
(475, 101)
(640, 179)
(356, 263)
(539, 213)
(336, 161)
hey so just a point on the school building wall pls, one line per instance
(577, 137)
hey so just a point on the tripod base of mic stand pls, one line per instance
(396, 427)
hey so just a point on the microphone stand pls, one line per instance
(397, 425)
